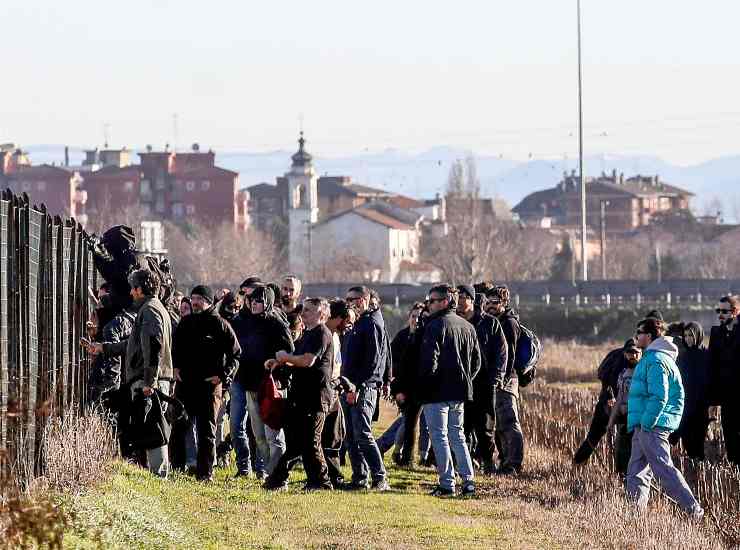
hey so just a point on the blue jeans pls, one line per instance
(651, 455)
(270, 443)
(392, 435)
(238, 417)
(446, 422)
(364, 454)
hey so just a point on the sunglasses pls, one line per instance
(721, 311)
(432, 300)
(256, 301)
(638, 332)
(355, 299)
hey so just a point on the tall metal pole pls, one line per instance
(584, 236)
(603, 204)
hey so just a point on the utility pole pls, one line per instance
(603, 204)
(572, 244)
(658, 263)
(584, 236)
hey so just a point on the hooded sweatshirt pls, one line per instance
(656, 395)
(694, 367)
(509, 320)
(260, 336)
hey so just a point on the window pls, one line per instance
(41, 186)
(145, 188)
(206, 185)
(190, 209)
(26, 185)
(190, 185)
(159, 206)
(129, 186)
(177, 210)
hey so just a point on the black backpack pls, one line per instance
(528, 351)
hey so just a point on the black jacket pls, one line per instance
(405, 361)
(204, 345)
(509, 320)
(693, 364)
(366, 350)
(608, 373)
(450, 359)
(106, 370)
(724, 364)
(493, 349)
(261, 337)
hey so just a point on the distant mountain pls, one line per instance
(425, 174)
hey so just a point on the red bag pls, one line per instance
(272, 403)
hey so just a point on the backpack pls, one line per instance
(528, 350)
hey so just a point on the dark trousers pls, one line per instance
(596, 430)
(731, 430)
(204, 406)
(411, 412)
(480, 414)
(303, 431)
(622, 449)
(693, 434)
(331, 440)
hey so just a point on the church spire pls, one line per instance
(302, 157)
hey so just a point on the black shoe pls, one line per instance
(274, 486)
(243, 473)
(351, 486)
(468, 490)
(309, 488)
(583, 453)
(441, 492)
(205, 478)
(381, 486)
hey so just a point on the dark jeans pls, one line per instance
(731, 430)
(411, 414)
(204, 407)
(303, 431)
(596, 430)
(481, 414)
(364, 454)
(622, 449)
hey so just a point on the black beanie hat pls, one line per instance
(204, 291)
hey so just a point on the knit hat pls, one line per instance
(467, 289)
(655, 314)
(250, 281)
(204, 291)
(630, 345)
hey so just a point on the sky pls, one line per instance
(660, 77)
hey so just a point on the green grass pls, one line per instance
(135, 510)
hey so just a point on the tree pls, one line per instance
(562, 262)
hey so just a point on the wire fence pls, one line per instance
(46, 269)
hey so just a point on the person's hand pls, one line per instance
(386, 391)
(215, 380)
(611, 402)
(400, 398)
(93, 348)
(147, 391)
(177, 375)
(281, 356)
(272, 364)
(351, 397)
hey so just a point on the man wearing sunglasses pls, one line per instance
(654, 408)
(724, 361)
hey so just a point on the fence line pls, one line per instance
(46, 268)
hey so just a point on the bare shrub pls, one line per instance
(31, 520)
(78, 451)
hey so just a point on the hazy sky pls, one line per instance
(495, 76)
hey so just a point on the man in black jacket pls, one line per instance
(310, 397)
(724, 361)
(261, 333)
(494, 355)
(450, 360)
(364, 365)
(509, 435)
(205, 356)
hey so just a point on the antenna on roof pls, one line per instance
(174, 132)
(106, 134)
(300, 122)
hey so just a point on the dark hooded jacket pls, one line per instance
(204, 345)
(493, 349)
(261, 337)
(450, 359)
(724, 362)
(366, 351)
(106, 370)
(509, 320)
(693, 363)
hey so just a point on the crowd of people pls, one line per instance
(301, 379)
(659, 390)
(322, 367)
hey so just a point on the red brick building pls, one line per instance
(59, 189)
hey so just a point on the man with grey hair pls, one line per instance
(148, 352)
(310, 396)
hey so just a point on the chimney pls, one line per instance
(614, 175)
(621, 178)
(657, 180)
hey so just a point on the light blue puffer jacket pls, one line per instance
(656, 394)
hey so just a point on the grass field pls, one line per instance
(551, 505)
